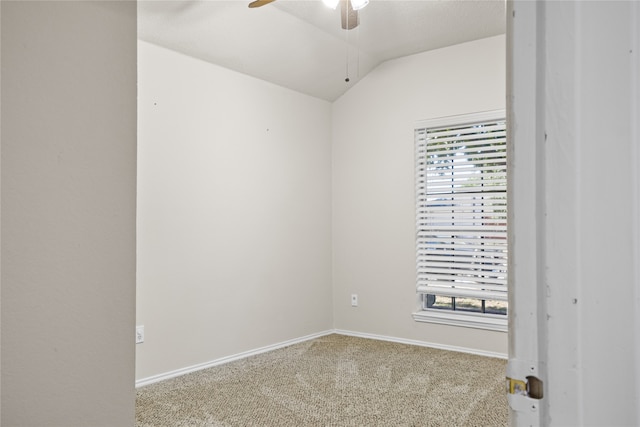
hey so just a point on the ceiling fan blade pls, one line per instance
(258, 3)
(349, 17)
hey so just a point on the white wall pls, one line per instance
(68, 213)
(373, 184)
(575, 83)
(234, 220)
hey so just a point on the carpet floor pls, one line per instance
(334, 380)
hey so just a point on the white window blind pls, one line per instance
(461, 179)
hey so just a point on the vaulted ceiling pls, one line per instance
(299, 44)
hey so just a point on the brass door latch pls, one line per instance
(532, 387)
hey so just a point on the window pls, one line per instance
(461, 214)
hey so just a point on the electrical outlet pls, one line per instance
(139, 334)
(354, 300)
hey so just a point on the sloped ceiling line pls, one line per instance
(299, 44)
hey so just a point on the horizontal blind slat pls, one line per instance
(469, 280)
(428, 207)
(460, 285)
(458, 147)
(423, 281)
(496, 126)
(461, 293)
(425, 255)
(468, 174)
(489, 125)
(474, 266)
(443, 162)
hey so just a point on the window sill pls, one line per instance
(467, 320)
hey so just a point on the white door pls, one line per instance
(574, 123)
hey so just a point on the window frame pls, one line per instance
(487, 321)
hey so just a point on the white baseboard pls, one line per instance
(423, 344)
(178, 372)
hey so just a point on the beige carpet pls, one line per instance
(334, 380)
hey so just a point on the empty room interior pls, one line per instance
(276, 183)
(253, 187)
(262, 209)
(264, 206)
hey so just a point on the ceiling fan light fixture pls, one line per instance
(331, 3)
(359, 4)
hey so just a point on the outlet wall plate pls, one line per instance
(139, 334)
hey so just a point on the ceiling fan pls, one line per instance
(348, 10)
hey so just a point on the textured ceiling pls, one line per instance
(299, 44)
